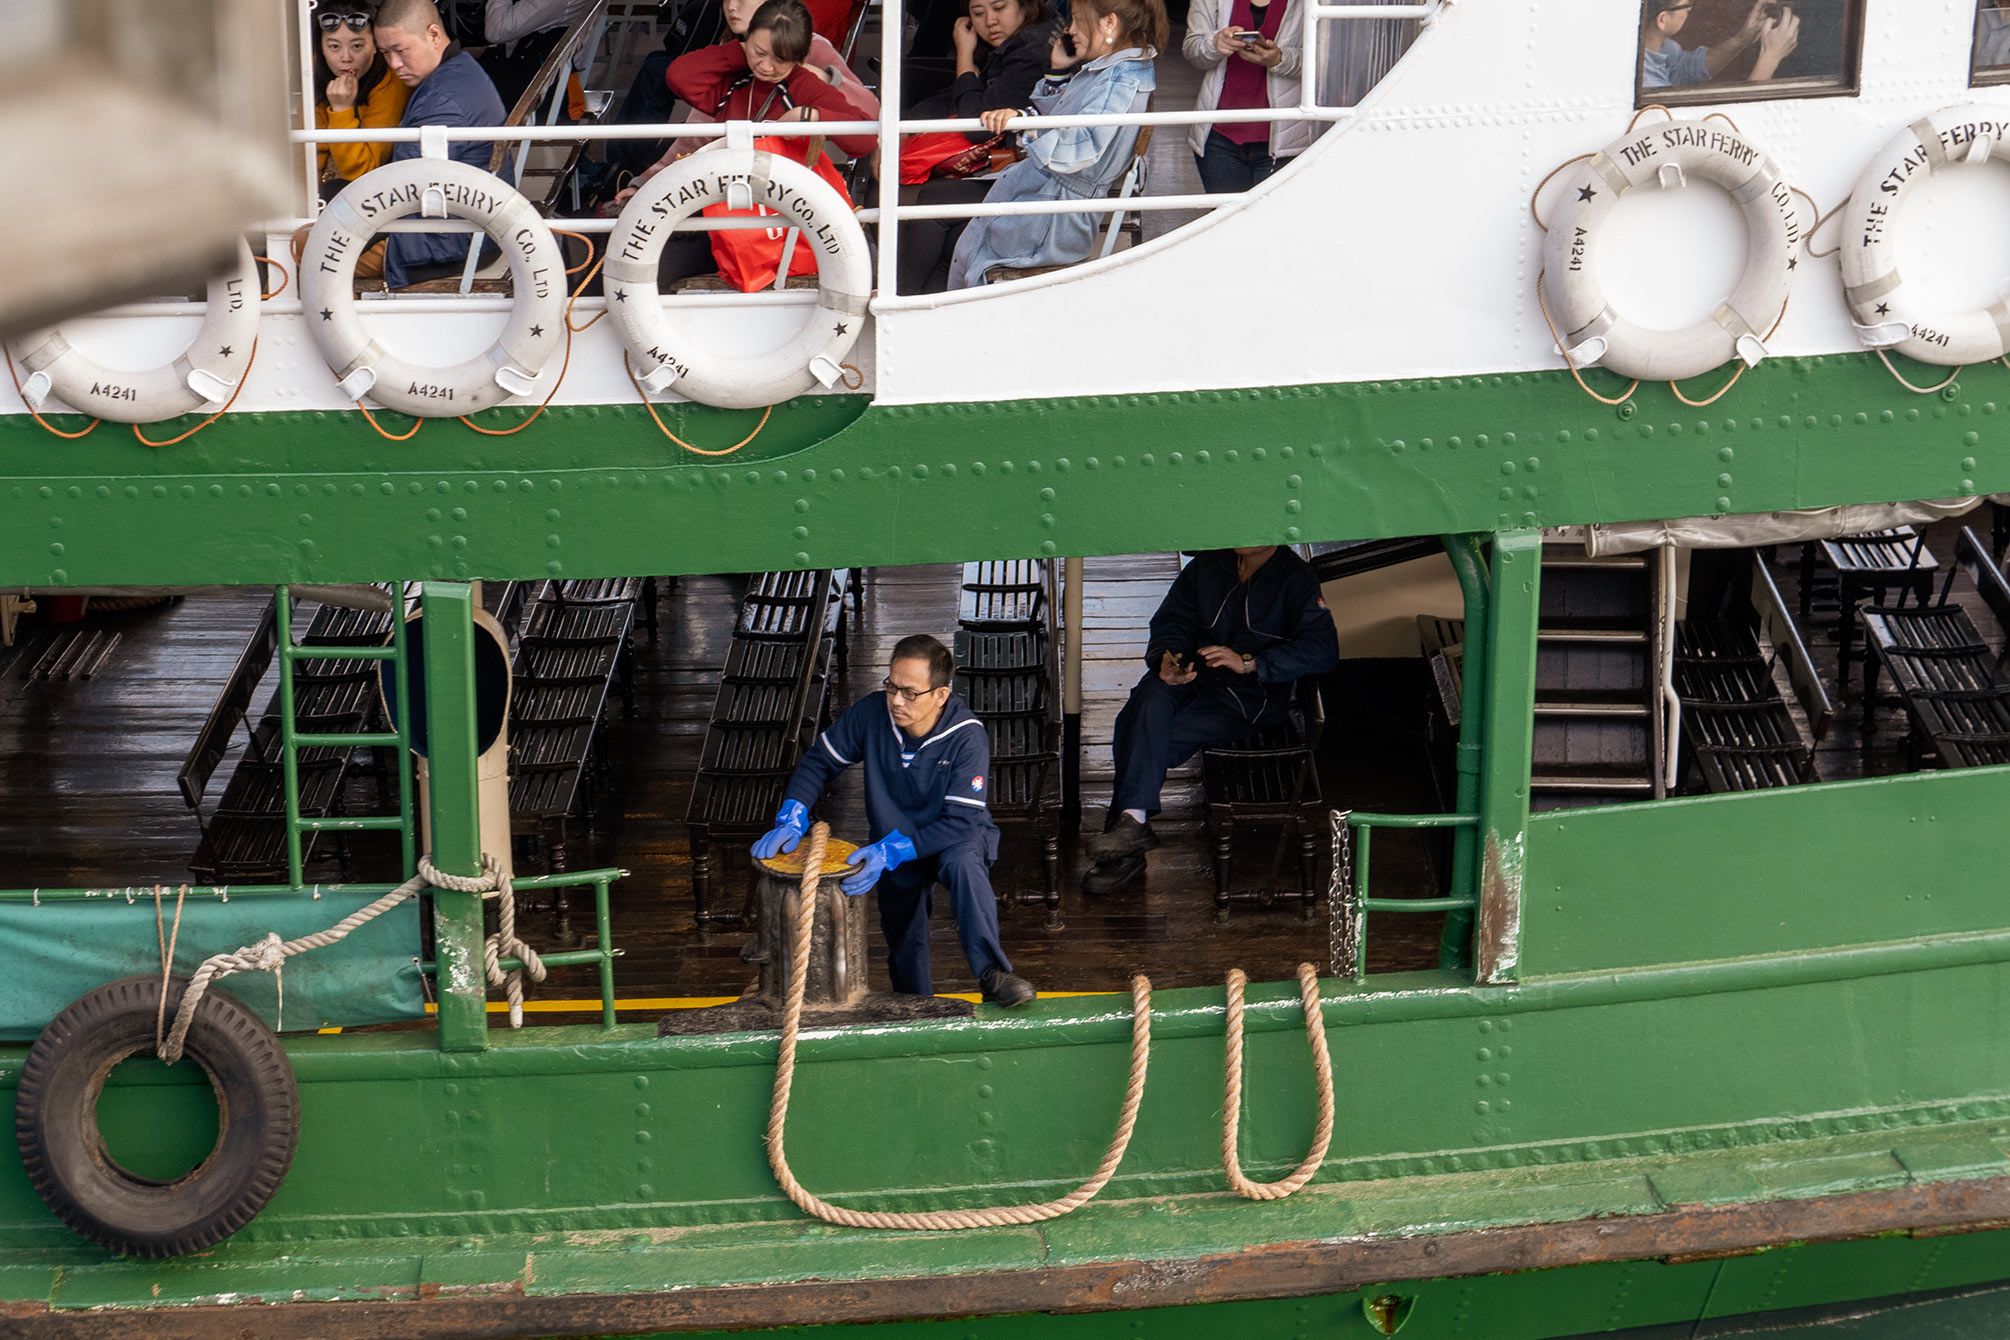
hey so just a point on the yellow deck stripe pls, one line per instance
(692, 1003)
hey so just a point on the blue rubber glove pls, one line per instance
(875, 859)
(791, 822)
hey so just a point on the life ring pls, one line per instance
(438, 188)
(1871, 280)
(667, 358)
(203, 377)
(55, 1120)
(1667, 156)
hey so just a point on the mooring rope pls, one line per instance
(998, 1216)
(1231, 1101)
(270, 953)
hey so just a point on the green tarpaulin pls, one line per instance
(55, 952)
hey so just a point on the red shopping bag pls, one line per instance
(749, 258)
(944, 153)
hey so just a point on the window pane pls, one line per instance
(1992, 39)
(1705, 50)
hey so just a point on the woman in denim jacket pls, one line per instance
(1107, 68)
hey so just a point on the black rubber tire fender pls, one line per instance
(55, 1120)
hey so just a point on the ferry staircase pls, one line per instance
(1603, 652)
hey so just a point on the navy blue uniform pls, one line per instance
(1277, 615)
(932, 790)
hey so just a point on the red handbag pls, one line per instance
(750, 258)
(944, 153)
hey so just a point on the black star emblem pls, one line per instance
(1585, 193)
(327, 315)
(225, 351)
(1884, 309)
(842, 328)
(621, 295)
(1793, 262)
(536, 331)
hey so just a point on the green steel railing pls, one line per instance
(292, 740)
(1351, 901)
(603, 954)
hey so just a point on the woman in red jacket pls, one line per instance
(761, 77)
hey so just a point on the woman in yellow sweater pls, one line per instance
(356, 89)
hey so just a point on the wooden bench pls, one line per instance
(1740, 730)
(1271, 777)
(1008, 673)
(773, 696)
(1956, 696)
(1868, 567)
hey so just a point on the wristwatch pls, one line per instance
(1248, 661)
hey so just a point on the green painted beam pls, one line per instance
(1508, 732)
(448, 634)
(596, 491)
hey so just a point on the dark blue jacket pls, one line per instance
(1278, 615)
(930, 789)
(458, 93)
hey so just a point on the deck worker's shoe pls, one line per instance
(1125, 837)
(1113, 874)
(1006, 988)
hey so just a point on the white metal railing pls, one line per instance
(888, 212)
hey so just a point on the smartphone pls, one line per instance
(1067, 41)
(1246, 35)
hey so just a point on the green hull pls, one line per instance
(1722, 1025)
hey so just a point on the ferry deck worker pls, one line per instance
(1228, 645)
(1664, 64)
(925, 756)
(357, 90)
(448, 89)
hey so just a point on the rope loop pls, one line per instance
(1231, 1102)
(999, 1216)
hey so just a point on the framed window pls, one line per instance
(1694, 51)
(1991, 63)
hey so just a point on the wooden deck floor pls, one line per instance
(88, 793)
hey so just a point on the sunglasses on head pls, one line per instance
(329, 21)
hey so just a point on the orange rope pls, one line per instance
(46, 425)
(567, 232)
(236, 391)
(285, 277)
(417, 424)
(1743, 368)
(565, 366)
(1892, 368)
(577, 330)
(1650, 107)
(1821, 221)
(1719, 116)
(1570, 362)
(665, 429)
(1543, 185)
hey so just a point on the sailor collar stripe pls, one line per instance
(907, 756)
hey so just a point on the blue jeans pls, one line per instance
(1228, 166)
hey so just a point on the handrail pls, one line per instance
(1349, 896)
(603, 953)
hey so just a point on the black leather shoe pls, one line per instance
(1127, 837)
(1006, 988)
(1111, 875)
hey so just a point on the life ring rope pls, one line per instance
(251, 361)
(664, 428)
(36, 414)
(1571, 363)
(565, 361)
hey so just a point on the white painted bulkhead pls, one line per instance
(1400, 245)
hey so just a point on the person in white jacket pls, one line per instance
(1247, 52)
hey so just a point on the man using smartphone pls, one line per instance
(1228, 645)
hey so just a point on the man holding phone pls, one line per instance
(1228, 645)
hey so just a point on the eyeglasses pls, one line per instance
(907, 695)
(329, 20)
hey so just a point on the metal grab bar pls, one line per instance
(1349, 897)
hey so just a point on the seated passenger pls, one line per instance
(521, 35)
(448, 89)
(1664, 64)
(650, 101)
(1100, 65)
(765, 77)
(1247, 52)
(1237, 631)
(358, 90)
(1001, 53)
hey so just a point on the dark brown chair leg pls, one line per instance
(701, 875)
(1223, 824)
(1050, 858)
